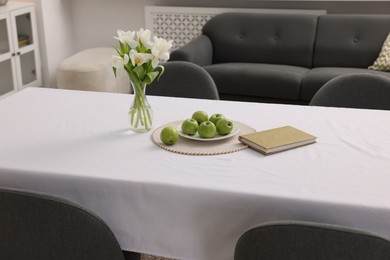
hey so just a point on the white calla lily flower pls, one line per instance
(160, 50)
(137, 59)
(144, 37)
(119, 62)
(127, 37)
(120, 33)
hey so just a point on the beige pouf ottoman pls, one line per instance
(91, 70)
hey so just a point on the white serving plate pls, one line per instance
(215, 138)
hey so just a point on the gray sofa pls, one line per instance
(284, 58)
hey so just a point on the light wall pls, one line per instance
(58, 35)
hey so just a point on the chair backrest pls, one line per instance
(43, 227)
(358, 90)
(304, 240)
(184, 79)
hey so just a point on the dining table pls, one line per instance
(78, 145)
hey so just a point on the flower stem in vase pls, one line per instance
(140, 112)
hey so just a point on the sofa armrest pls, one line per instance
(198, 51)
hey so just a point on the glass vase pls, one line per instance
(140, 112)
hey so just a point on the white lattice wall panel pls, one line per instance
(182, 24)
(180, 27)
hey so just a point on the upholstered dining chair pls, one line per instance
(358, 90)
(307, 241)
(43, 227)
(184, 79)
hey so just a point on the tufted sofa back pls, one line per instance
(262, 38)
(350, 40)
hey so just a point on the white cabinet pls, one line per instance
(20, 64)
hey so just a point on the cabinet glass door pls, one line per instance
(7, 65)
(27, 64)
(7, 82)
(26, 48)
(4, 39)
(24, 30)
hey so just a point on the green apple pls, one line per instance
(169, 135)
(189, 126)
(207, 130)
(215, 118)
(224, 126)
(200, 116)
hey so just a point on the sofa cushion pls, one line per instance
(350, 40)
(383, 60)
(314, 79)
(285, 39)
(255, 79)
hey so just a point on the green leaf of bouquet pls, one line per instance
(161, 72)
(122, 47)
(125, 48)
(139, 70)
(142, 49)
(146, 67)
(150, 77)
(114, 69)
(127, 69)
(134, 78)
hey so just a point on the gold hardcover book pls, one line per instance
(277, 140)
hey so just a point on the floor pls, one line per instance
(151, 257)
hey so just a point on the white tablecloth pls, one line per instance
(77, 145)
